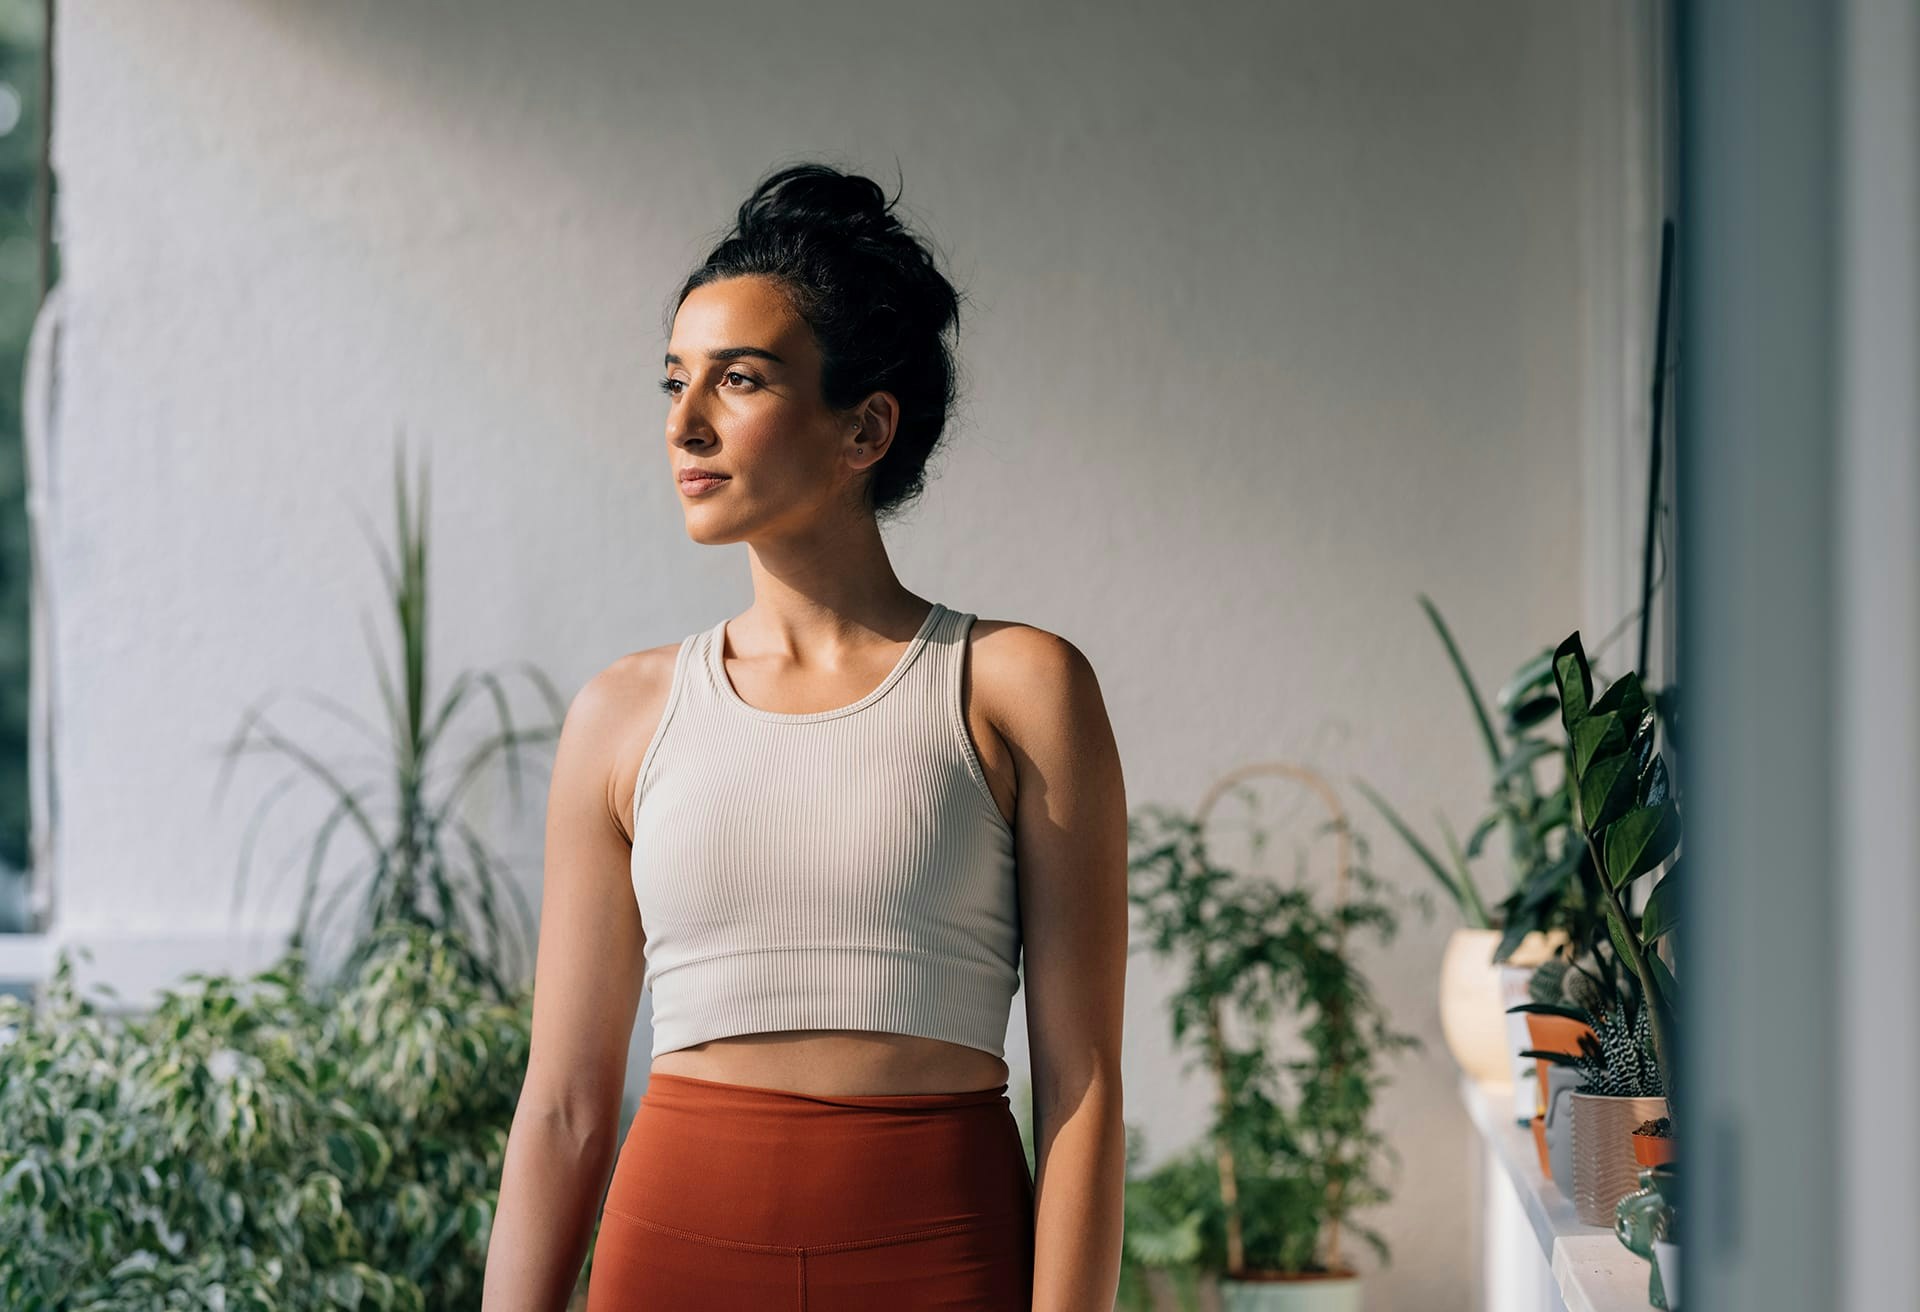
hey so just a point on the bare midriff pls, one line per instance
(837, 1063)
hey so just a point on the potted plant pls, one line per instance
(1624, 1087)
(1553, 1028)
(1653, 1142)
(1547, 897)
(422, 862)
(1266, 1203)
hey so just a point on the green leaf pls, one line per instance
(1640, 840)
(1421, 850)
(1466, 680)
(1663, 980)
(1477, 841)
(1597, 737)
(1573, 679)
(1548, 1009)
(1660, 915)
(1605, 794)
(1625, 698)
(1557, 1058)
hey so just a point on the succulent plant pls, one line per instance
(1618, 1060)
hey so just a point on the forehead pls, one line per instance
(745, 311)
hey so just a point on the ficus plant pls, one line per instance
(1629, 820)
(261, 1144)
(1293, 1040)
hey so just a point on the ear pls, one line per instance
(871, 428)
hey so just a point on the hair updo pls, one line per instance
(879, 309)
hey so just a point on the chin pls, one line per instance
(708, 534)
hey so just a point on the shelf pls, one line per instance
(1593, 1269)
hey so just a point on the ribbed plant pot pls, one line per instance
(1472, 1016)
(1604, 1167)
(1292, 1293)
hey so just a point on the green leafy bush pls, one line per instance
(262, 1143)
(1292, 1154)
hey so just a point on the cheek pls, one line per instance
(780, 449)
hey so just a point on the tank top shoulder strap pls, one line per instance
(677, 696)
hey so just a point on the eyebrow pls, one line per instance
(732, 353)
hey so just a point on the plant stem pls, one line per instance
(1637, 959)
(1223, 1147)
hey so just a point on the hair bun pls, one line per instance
(813, 196)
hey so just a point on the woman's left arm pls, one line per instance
(1071, 848)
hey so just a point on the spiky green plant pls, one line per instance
(1552, 883)
(1618, 1061)
(423, 862)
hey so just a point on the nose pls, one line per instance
(687, 423)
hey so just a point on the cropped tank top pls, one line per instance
(837, 869)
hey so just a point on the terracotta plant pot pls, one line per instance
(1553, 1034)
(1604, 1169)
(1649, 1150)
(1540, 1145)
(1471, 1015)
(1337, 1292)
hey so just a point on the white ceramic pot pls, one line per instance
(1562, 1081)
(1472, 1016)
(1604, 1167)
(1306, 1294)
(1668, 1256)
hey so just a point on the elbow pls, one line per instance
(578, 1126)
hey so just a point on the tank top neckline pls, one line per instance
(717, 665)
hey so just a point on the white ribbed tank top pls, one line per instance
(837, 869)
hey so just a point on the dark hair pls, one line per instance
(868, 288)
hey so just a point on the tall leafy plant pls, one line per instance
(422, 862)
(1291, 1155)
(1629, 820)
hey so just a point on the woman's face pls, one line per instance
(743, 399)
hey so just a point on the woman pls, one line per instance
(822, 833)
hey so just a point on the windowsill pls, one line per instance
(1594, 1271)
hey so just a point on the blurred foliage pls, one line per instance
(262, 1143)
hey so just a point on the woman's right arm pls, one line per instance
(587, 980)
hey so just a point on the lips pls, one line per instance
(695, 482)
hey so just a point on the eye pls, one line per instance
(735, 373)
(668, 384)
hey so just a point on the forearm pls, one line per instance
(1080, 1181)
(550, 1188)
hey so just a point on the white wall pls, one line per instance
(1330, 254)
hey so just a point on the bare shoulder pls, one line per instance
(1029, 677)
(616, 712)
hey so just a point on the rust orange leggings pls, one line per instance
(732, 1197)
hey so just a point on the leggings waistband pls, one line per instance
(668, 1088)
